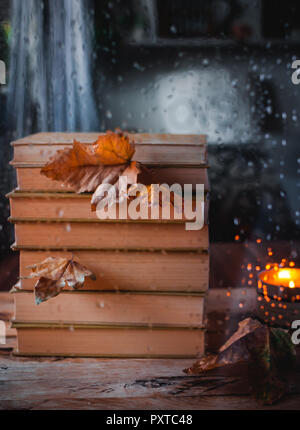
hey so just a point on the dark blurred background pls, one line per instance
(216, 67)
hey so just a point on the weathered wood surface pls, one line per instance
(38, 384)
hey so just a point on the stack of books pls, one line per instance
(152, 275)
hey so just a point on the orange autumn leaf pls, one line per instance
(114, 148)
(76, 167)
(85, 168)
(80, 155)
(56, 273)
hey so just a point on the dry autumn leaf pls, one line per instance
(84, 167)
(114, 148)
(56, 273)
(226, 354)
(270, 355)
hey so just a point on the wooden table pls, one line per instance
(39, 384)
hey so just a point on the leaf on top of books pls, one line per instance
(270, 355)
(85, 167)
(114, 148)
(78, 156)
(56, 273)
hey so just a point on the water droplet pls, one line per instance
(138, 67)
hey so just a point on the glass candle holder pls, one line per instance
(279, 296)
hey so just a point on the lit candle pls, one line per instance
(282, 283)
(279, 295)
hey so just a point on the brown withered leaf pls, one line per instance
(56, 273)
(86, 167)
(46, 289)
(66, 164)
(269, 353)
(231, 352)
(114, 148)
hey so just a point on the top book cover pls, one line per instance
(151, 149)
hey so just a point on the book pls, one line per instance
(30, 178)
(151, 149)
(76, 207)
(136, 309)
(152, 275)
(141, 236)
(101, 341)
(130, 271)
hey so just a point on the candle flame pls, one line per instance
(284, 274)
